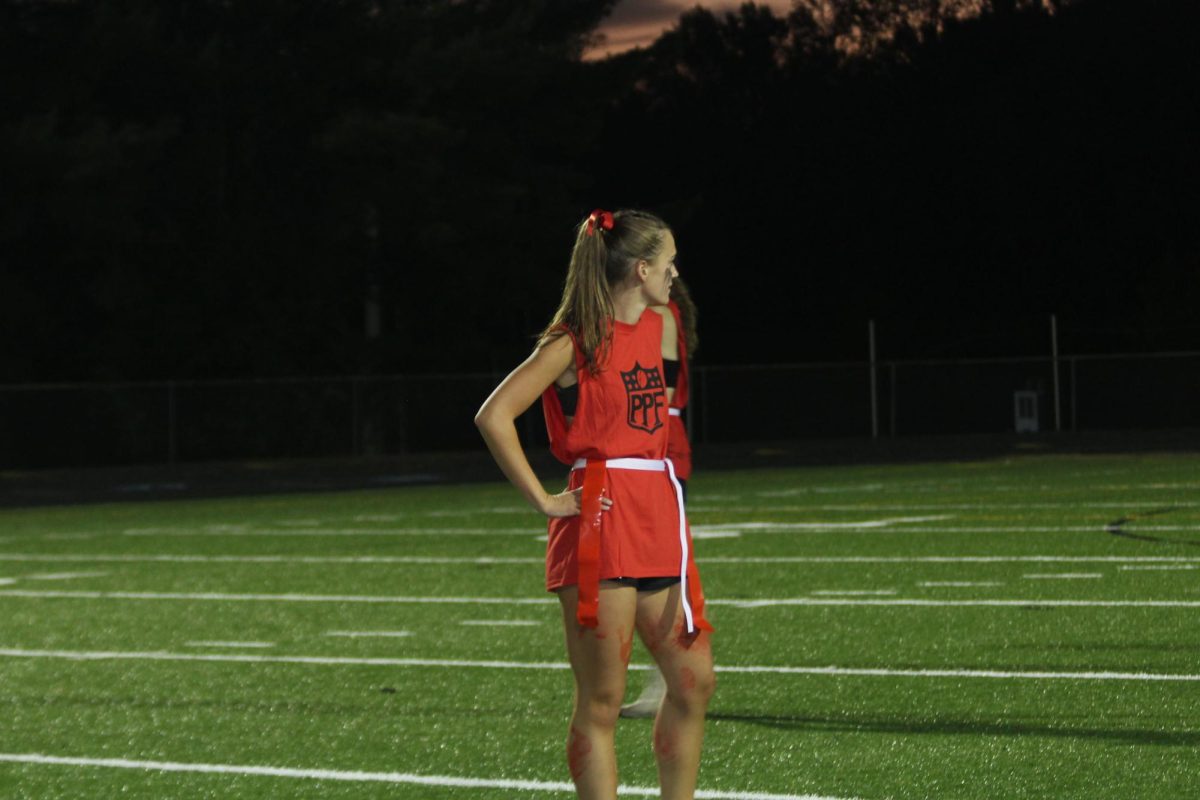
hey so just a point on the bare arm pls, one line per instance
(496, 422)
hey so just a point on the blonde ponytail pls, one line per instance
(606, 248)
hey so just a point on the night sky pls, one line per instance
(205, 190)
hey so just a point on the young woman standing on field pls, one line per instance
(619, 549)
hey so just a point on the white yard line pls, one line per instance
(500, 622)
(957, 584)
(62, 576)
(222, 531)
(937, 559)
(919, 603)
(889, 523)
(248, 645)
(867, 672)
(1165, 487)
(370, 634)
(855, 527)
(280, 598)
(449, 781)
(549, 601)
(7, 581)
(975, 487)
(1062, 576)
(699, 506)
(853, 592)
(1158, 566)
(470, 512)
(818, 489)
(817, 526)
(448, 512)
(264, 559)
(85, 558)
(833, 671)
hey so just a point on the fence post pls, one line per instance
(874, 393)
(1074, 411)
(892, 397)
(355, 420)
(1054, 363)
(172, 437)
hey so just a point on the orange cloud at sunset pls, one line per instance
(635, 23)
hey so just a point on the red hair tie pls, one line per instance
(605, 218)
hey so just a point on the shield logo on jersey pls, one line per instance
(647, 398)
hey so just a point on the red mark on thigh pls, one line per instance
(578, 747)
(697, 640)
(626, 648)
(687, 679)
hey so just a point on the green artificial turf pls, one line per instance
(842, 545)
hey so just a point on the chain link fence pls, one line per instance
(71, 425)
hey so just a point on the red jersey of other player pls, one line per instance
(679, 449)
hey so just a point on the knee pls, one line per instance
(692, 686)
(601, 707)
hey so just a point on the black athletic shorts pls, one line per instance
(647, 584)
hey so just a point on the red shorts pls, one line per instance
(639, 535)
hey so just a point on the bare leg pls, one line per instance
(686, 663)
(599, 658)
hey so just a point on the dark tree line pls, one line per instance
(202, 188)
(967, 179)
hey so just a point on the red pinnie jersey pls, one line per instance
(679, 449)
(622, 411)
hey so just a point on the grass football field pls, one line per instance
(1020, 628)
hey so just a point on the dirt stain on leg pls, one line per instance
(687, 679)
(578, 748)
(665, 746)
(626, 648)
(653, 640)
